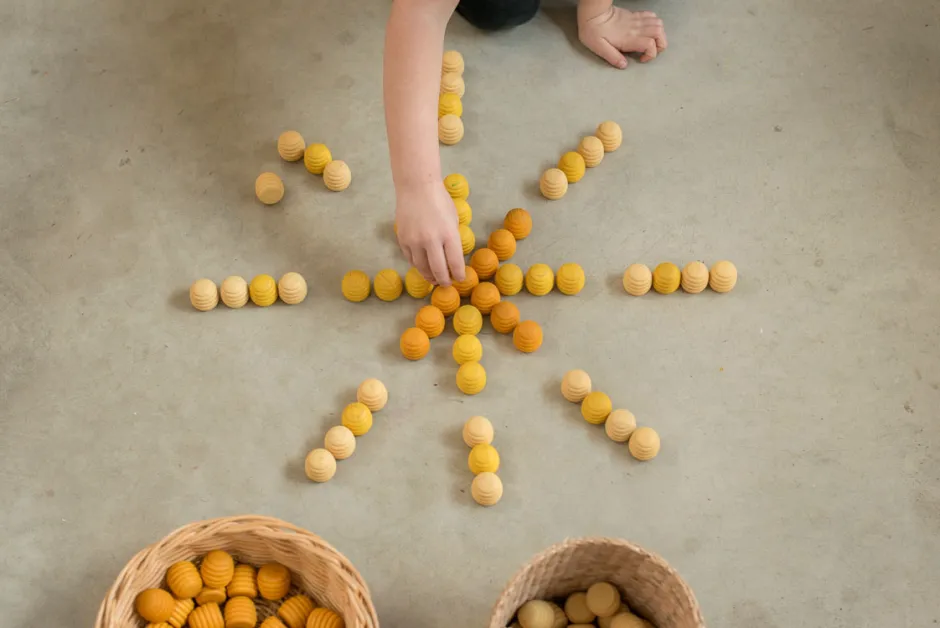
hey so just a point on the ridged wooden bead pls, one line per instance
(539, 279)
(467, 349)
(504, 317)
(477, 431)
(485, 297)
(324, 618)
(387, 285)
(319, 466)
(666, 278)
(295, 610)
(637, 279)
(292, 288)
(620, 425)
(181, 612)
(204, 295)
(453, 83)
(503, 243)
(471, 281)
(446, 299)
(483, 458)
(603, 599)
(240, 612)
(154, 605)
(183, 579)
(337, 176)
(206, 616)
(217, 569)
(272, 622)
(210, 595)
(291, 146)
(527, 337)
(464, 211)
(273, 581)
(694, 277)
(452, 61)
(575, 385)
(340, 441)
(467, 239)
(596, 408)
(644, 443)
(234, 292)
(509, 279)
(570, 279)
(269, 188)
(572, 164)
(629, 620)
(450, 129)
(162, 624)
(356, 286)
(607, 622)
(536, 614)
(561, 620)
(592, 150)
(457, 185)
(373, 394)
(316, 158)
(243, 582)
(518, 222)
(723, 276)
(486, 489)
(471, 378)
(430, 320)
(577, 610)
(468, 320)
(416, 285)
(358, 418)
(553, 184)
(610, 135)
(414, 345)
(263, 290)
(449, 103)
(485, 262)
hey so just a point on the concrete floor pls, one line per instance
(799, 481)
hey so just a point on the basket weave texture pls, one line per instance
(317, 568)
(649, 586)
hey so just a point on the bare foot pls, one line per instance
(615, 31)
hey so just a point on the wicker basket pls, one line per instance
(318, 569)
(649, 586)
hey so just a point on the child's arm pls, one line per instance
(425, 213)
(610, 31)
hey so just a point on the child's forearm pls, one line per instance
(414, 44)
(591, 8)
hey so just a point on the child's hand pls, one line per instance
(615, 31)
(427, 233)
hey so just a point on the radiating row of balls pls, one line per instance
(620, 425)
(235, 291)
(219, 581)
(340, 440)
(571, 166)
(291, 146)
(666, 278)
(450, 128)
(487, 488)
(602, 602)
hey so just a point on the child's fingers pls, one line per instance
(420, 261)
(439, 265)
(609, 53)
(649, 50)
(654, 29)
(454, 252)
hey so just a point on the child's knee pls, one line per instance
(491, 15)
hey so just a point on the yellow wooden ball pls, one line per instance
(358, 418)
(316, 158)
(471, 378)
(467, 239)
(572, 164)
(509, 279)
(539, 279)
(467, 349)
(416, 285)
(666, 278)
(356, 286)
(468, 320)
(387, 285)
(457, 185)
(570, 279)
(483, 458)
(596, 407)
(449, 103)
(263, 290)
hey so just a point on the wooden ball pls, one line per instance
(181, 611)
(518, 222)
(467, 239)
(468, 320)
(464, 211)
(478, 431)
(292, 288)
(295, 610)
(183, 579)
(240, 612)
(607, 622)
(337, 176)
(503, 243)
(592, 150)
(457, 185)
(316, 158)
(273, 581)
(243, 582)
(509, 279)
(204, 295)
(387, 285)
(723, 276)
(414, 344)
(483, 458)
(620, 425)
(471, 281)
(217, 569)
(340, 441)
(596, 407)
(452, 61)
(269, 188)
(356, 286)
(324, 618)
(467, 349)
(208, 595)
(485, 262)
(263, 290)
(539, 279)
(485, 297)
(504, 317)
(536, 614)
(291, 146)
(694, 277)
(610, 135)
(487, 489)
(527, 337)
(154, 605)
(572, 164)
(570, 279)
(644, 443)
(603, 599)
(449, 104)
(446, 298)
(629, 620)
(320, 466)
(206, 616)
(561, 620)
(453, 83)
(666, 278)
(234, 293)
(373, 394)
(430, 320)
(575, 385)
(450, 129)
(358, 418)
(637, 280)
(553, 184)
(272, 622)
(577, 610)
(471, 378)
(416, 285)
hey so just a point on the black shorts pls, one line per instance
(491, 15)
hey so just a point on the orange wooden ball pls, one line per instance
(446, 298)
(503, 243)
(504, 317)
(485, 262)
(414, 343)
(485, 297)
(471, 280)
(527, 336)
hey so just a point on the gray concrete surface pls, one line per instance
(799, 481)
